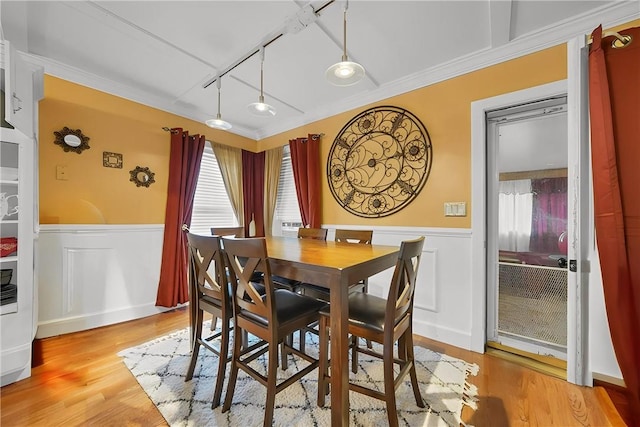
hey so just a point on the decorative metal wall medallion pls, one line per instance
(142, 177)
(111, 160)
(379, 162)
(71, 140)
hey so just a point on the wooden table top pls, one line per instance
(325, 253)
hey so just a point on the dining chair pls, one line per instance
(303, 233)
(208, 291)
(227, 231)
(271, 318)
(384, 321)
(223, 232)
(362, 237)
(312, 233)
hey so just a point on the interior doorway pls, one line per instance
(527, 224)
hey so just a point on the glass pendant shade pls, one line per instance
(218, 123)
(261, 109)
(345, 73)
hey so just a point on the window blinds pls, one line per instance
(211, 205)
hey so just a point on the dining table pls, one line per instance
(335, 266)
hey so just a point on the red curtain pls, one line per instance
(184, 168)
(549, 219)
(614, 92)
(305, 161)
(253, 191)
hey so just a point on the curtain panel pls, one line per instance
(230, 163)
(184, 167)
(273, 164)
(305, 161)
(549, 218)
(253, 191)
(614, 103)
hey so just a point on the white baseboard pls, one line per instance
(96, 320)
(13, 364)
(461, 339)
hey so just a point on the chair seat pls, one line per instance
(285, 283)
(365, 310)
(322, 293)
(289, 307)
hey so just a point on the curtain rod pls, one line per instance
(255, 50)
(624, 39)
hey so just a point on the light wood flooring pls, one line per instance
(80, 381)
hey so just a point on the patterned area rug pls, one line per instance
(160, 366)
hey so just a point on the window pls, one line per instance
(211, 204)
(286, 219)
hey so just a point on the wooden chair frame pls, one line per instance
(312, 233)
(208, 291)
(398, 318)
(258, 315)
(227, 231)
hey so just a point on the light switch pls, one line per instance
(62, 173)
(455, 209)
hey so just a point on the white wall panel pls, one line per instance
(96, 275)
(442, 305)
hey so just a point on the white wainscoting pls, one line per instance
(96, 275)
(442, 305)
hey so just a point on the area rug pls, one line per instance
(160, 366)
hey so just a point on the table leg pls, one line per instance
(339, 353)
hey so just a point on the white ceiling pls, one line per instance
(161, 53)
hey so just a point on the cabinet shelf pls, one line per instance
(9, 308)
(7, 182)
(10, 258)
(8, 221)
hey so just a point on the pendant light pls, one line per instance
(345, 72)
(260, 108)
(218, 123)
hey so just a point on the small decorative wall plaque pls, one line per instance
(111, 160)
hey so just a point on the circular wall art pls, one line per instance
(379, 162)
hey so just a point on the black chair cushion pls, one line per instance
(365, 310)
(289, 306)
(322, 293)
(285, 283)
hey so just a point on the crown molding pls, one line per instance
(84, 78)
(549, 36)
(559, 33)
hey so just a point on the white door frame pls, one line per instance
(576, 326)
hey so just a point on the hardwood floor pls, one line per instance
(80, 380)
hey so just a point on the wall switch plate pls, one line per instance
(62, 174)
(455, 209)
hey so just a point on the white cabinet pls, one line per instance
(18, 215)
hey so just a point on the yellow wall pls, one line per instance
(445, 109)
(94, 194)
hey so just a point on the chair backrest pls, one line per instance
(227, 231)
(207, 268)
(312, 233)
(246, 256)
(354, 236)
(403, 282)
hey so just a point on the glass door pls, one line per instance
(527, 227)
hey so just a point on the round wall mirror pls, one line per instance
(142, 177)
(71, 140)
